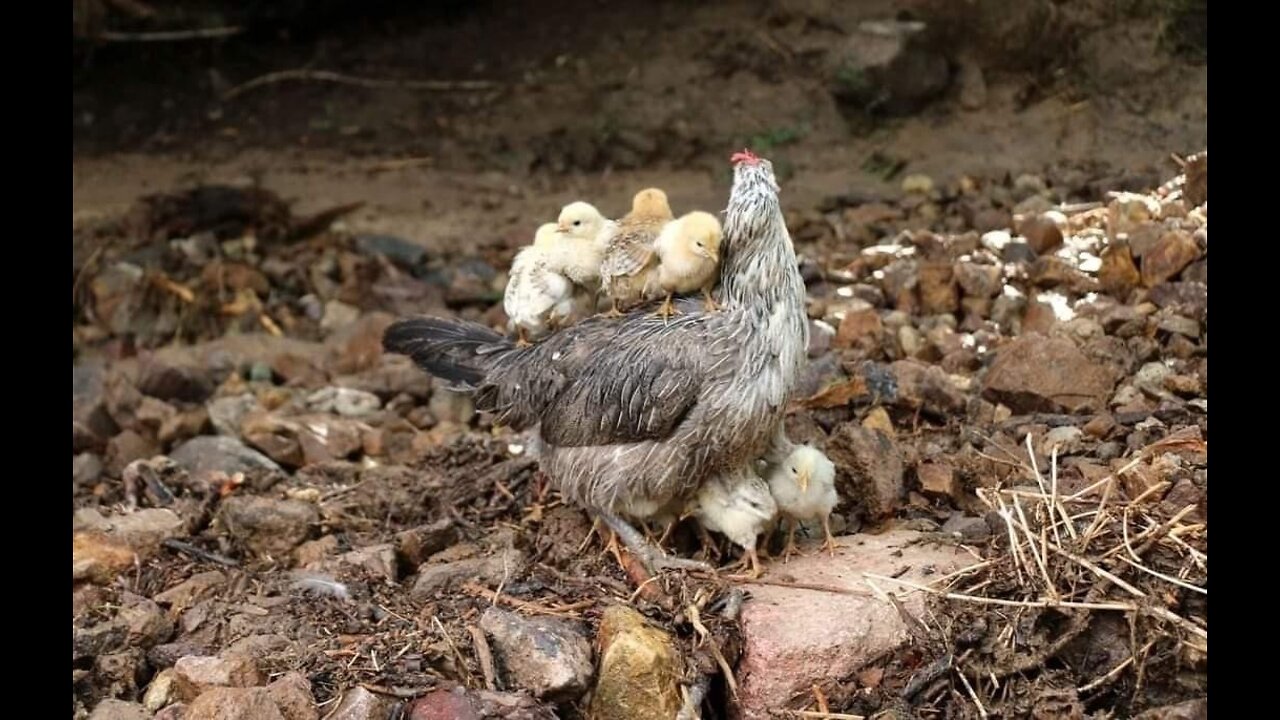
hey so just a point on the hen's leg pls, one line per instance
(654, 559)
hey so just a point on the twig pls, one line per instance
(341, 79)
(484, 656)
(192, 550)
(172, 35)
(565, 611)
(834, 589)
(818, 715)
(972, 695)
(404, 693)
(1115, 671)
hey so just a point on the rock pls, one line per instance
(871, 465)
(1042, 232)
(1038, 374)
(859, 323)
(88, 401)
(939, 292)
(435, 578)
(1196, 187)
(226, 413)
(220, 453)
(926, 387)
(462, 704)
(174, 382)
(398, 250)
(1183, 298)
(378, 560)
(338, 314)
(112, 709)
(360, 704)
(546, 656)
(1180, 325)
(195, 674)
(189, 591)
(1174, 251)
(980, 281)
(268, 526)
(1067, 439)
(358, 346)
(938, 479)
(414, 546)
(161, 691)
(878, 419)
(292, 695)
(1127, 212)
(640, 669)
(127, 447)
(98, 558)
(343, 401)
(885, 66)
(86, 468)
(176, 711)
(234, 703)
(1189, 710)
(144, 530)
(967, 528)
(821, 336)
(1118, 274)
(912, 342)
(793, 639)
(147, 623)
(297, 370)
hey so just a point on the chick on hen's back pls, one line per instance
(630, 256)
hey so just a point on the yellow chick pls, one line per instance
(688, 252)
(804, 486)
(630, 256)
(739, 505)
(549, 281)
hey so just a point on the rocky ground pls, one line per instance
(273, 516)
(1009, 361)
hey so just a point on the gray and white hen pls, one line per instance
(642, 410)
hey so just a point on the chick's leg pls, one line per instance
(709, 303)
(522, 337)
(790, 548)
(613, 311)
(653, 558)
(830, 543)
(667, 308)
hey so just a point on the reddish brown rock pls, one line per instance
(856, 325)
(1039, 374)
(1118, 274)
(1171, 254)
(195, 674)
(1043, 234)
(938, 479)
(870, 468)
(234, 703)
(939, 292)
(795, 638)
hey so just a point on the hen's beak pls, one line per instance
(802, 479)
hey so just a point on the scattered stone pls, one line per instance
(939, 291)
(189, 591)
(980, 281)
(414, 546)
(1196, 187)
(1118, 274)
(292, 695)
(378, 560)
(821, 336)
(878, 419)
(1189, 710)
(640, 669)
(1180, 325)
(917, 184)
(267, 526)
(86, 468)
(967, 527)
(176, 711)
(1100, 426)
(462, 704)
(1128, 211)
(1066, 439)
(358, 346)
(938, 479)
(127, 447)
(1043, 233)
(174, 382)
(343, 401)
(195, 674)
(870, 468)
(226, 413)
(858, 323)
(112, 709)
(546, 656)
(436, 578)
(360, 704)
(926, 387)
(147, 623)
(220, 453)
(793, 638)
(1174, 251)
(234, 703)
(973, 85)
(98, 558)
(162, 691)
(450, 406)
(1038, 374)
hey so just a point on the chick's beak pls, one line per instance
(562, 227)
(802, 479)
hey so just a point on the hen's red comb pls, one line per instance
(745, 156)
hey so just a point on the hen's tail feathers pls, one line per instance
(456, 351)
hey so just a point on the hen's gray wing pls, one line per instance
(601, 382)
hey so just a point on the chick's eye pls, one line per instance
(576, 223)
(793, 471)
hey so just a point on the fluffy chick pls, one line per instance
(738, 505)
(803, 485)
(630, 257)
(688, 251)
(551, 282)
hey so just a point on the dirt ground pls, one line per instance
(315, 560)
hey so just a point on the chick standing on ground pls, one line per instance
(688, 251)
(556, 278)
(630, 257)
(803, 485)
(738, 505)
